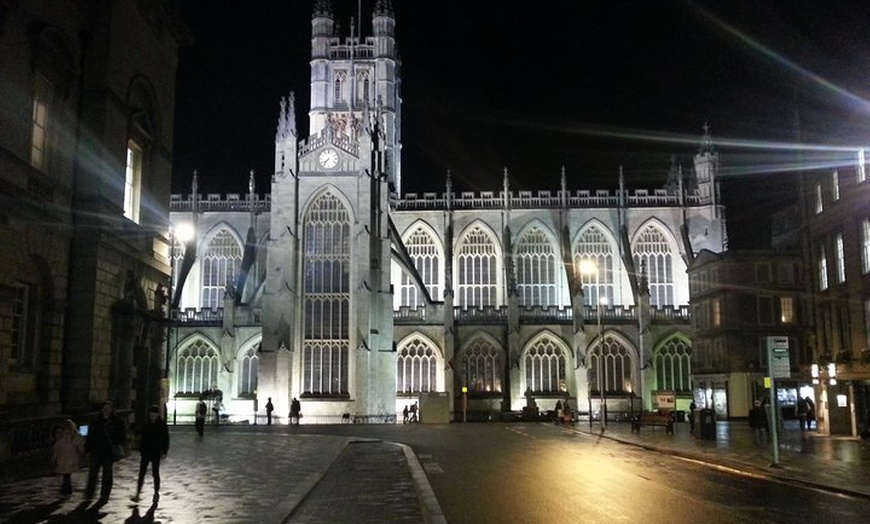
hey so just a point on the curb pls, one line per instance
(734, 466)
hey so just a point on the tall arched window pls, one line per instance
(221, 260)
(594, 246)
(536, 269)
(482, 367)
(652, 251)
(426, 254)
(673, 363)
(197, 368)
(338, 87)
(616, 366)
(248, 371)
(477, 269)
(362, 86)
(545, 367)
(417, 367)
(326, 301)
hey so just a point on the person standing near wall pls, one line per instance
(199, 421)
(69, 447)
(106, 437)
(153, 444)
(269, 409)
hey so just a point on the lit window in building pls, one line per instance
(865, 245)
(717, 312)
(132, 181)
(537, 269)
(248, 372)
(326, 302)
(616, 365)
(820, 205)
(673, 363)
(594, 246)
(653, 252)
(417, 367)
(867, 322)
(482, 367)
(862, 166)
(841, 258)
(786, 310)
(220, 261)
(477, 269)
(835, 185)
(425, 251)
(545, 367)
(15, 321)
(42, 99)
(197, 368)
(823, 269)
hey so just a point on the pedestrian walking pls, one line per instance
(104, 443)
(802, 408)
(811, 412)
(405, 413)
(153, 444)
(269, 409)
(758, 423)
(692, 408)
(413, 416)
(200, 412)
(295, 411)
(69, 447)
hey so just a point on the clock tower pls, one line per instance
(327, 302)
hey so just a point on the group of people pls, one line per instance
(409, 414)
(295, 411)
(104, 444)
(758, 419)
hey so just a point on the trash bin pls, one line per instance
(707, 424)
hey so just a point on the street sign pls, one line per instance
(777, 354)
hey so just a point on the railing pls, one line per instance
(481, 315)
(199, 316)
(410, 315)
(213, 202)
(542, 314)
(673, 313)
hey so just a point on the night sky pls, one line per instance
(532, 86)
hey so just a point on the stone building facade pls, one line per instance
(339, 290)
(86, 112)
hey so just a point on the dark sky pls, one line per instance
(532, 86)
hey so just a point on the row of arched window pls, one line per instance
(419, 362)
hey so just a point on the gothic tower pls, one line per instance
(327, 303)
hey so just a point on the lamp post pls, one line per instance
(602, 302)
(180, 235)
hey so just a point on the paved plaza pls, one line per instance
(255, 474)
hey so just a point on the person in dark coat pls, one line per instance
(104, 435)
(269, 409)
(153, 444)
(295, 411)
(758, 423)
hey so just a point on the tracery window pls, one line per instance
(545, 367)
(249, 372)
(653, 252)
(482, 367)
(593, 246)
(326, 301)
(42, 112)
(673, 363)
(362, 86)
(536, 269)
(197, 368)
(338, 87)
(477, 270)
(417, 367)
(616, 365)
(221, 260)
(426, 254)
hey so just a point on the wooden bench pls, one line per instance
(653, 418)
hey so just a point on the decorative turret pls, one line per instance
(706, 168)
(384, 28)
(285, 136)
(322, 28)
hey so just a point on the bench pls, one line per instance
(653, 418)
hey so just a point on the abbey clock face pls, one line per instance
(328, 158)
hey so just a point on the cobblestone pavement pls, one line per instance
(237, 475)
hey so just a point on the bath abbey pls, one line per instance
(336, 288)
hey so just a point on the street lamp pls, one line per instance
(178, 235)
(588, 267)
